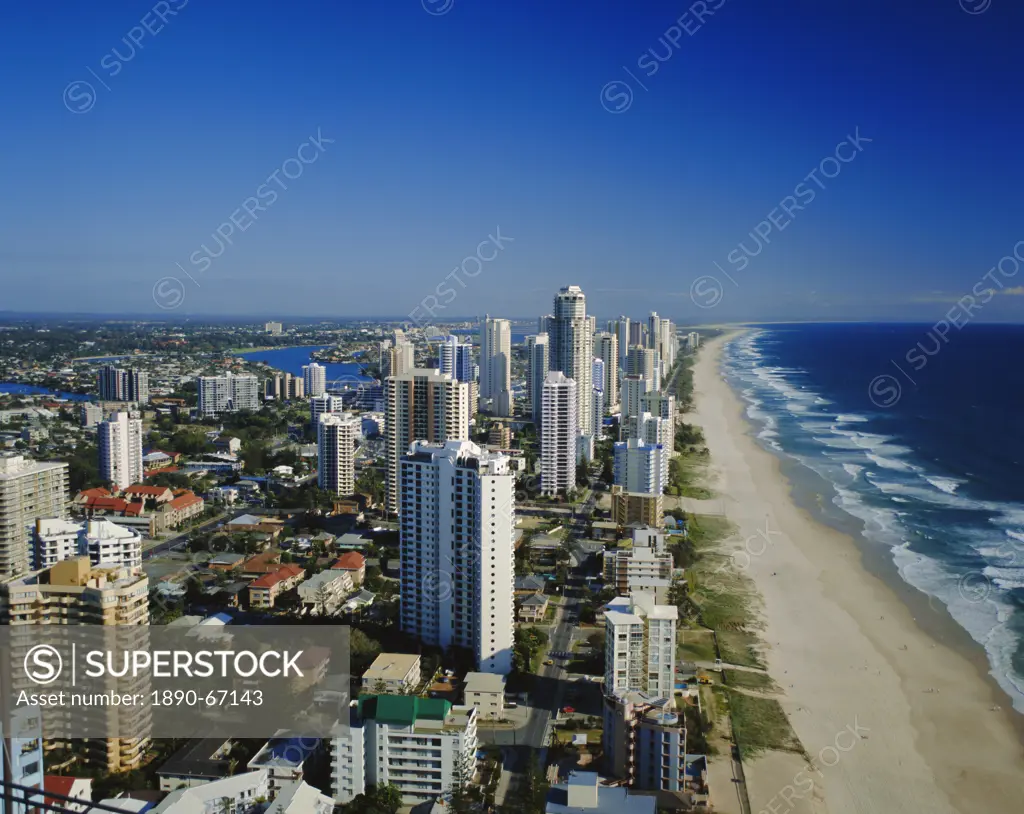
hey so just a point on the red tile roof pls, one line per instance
(134, 509)
(281, 574)
(55, 784)
(184, 501)
(109, 504)
(143, 489)
(98, 491)
(161, 470)
(350, 561)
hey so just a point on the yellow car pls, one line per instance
(548, 662)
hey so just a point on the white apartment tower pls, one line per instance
(572, 349)
(421, 745)
(106, 544)
(634, 388)
(314, 377)
(55, 540)
(446, 353)
(229, 393)
(496, 365)
(606, 348)
(336, 453)
(398, 356)
(422, 405)
(538, 364)
(120, 449)
(667, 343)
(641, 467)
(662, 405)
(559, 428)
(28, 489)
(457, 538)
(640, 645)
(320, 405)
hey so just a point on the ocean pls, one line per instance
(919, 440)
(291, 360)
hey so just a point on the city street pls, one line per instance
(545, 700)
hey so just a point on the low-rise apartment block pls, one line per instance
(636, 507)
(644, 567)
(486, 692)
(265, 590)
(422, 745)
(396, 673)
(324, 592)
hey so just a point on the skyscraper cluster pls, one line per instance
(115, 384)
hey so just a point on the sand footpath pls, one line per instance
(893, 721)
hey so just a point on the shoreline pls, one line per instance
(240, 351)
(845, 643)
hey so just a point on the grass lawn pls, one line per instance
(760, 724)
(696, 645)
(531, 523)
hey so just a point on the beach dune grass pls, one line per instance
(747, 680)
(742, 648)
(759, 724)
(687, 474)
(706, 530)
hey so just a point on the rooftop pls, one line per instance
(200, 757)
(391, 666)
(350, 561)
(485, 682)
(280, 575)
(590, 797)
(402, 710)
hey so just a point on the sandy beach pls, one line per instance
(893, 720)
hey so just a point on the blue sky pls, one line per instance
(446, 127)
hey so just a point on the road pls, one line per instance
(545, 700)
(179, 539)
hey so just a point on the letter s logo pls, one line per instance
(43, 664)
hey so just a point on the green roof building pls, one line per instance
(419, 744)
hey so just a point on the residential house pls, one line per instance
(75, 788)
(355, 564)
(530, 584)
(533, 607)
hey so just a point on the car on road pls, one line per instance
(548, 662)
(568, 710)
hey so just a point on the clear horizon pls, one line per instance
(723, 163)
